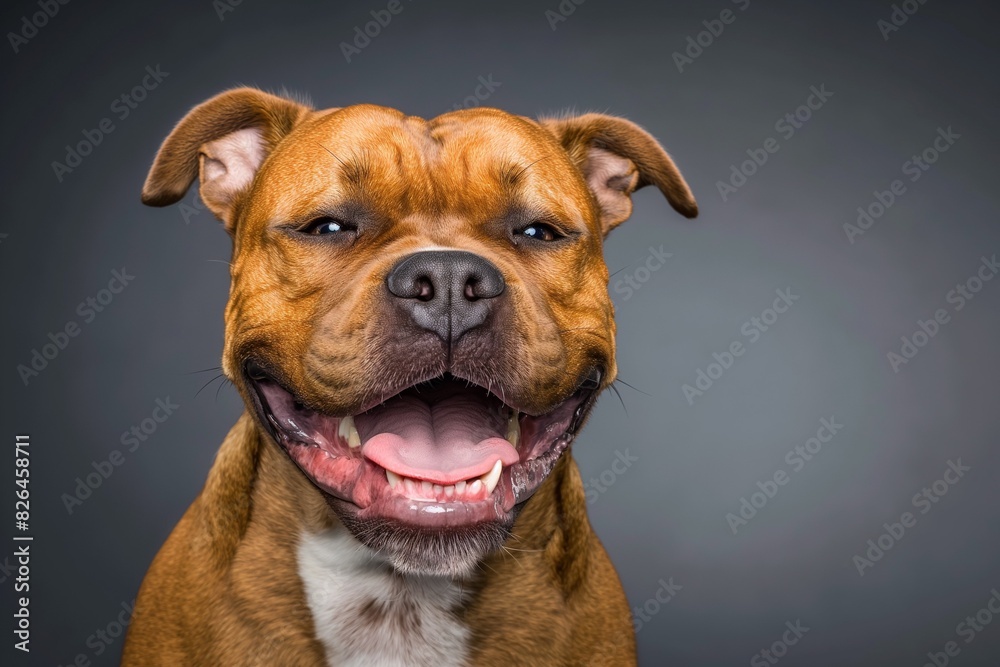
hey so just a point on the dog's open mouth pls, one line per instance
(442, 454)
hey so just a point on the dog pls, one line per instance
(419, 325)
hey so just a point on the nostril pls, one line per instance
(425, 289)
(470, 291)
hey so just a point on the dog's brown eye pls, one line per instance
(326, 225)
(540, 232)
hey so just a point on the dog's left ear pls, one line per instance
(616, 158)
(222, 141)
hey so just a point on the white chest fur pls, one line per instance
(366, 615)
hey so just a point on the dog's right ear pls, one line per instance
(223, 142)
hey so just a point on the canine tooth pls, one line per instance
(513, 429)
(393, 479)
(475, 486)
(460, 487)
(491, 478)
(347, 431)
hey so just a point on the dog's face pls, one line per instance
(419, 313)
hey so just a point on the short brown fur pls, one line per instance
(224, 589)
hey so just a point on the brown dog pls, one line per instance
(419, 323)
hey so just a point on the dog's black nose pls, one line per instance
(448, 292)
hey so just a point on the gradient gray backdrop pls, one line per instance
(665, 516)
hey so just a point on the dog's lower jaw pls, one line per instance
(455, 553)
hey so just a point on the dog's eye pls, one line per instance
(326, 225)
(540, 232)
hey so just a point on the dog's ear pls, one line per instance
(222, 141)
(617, 157)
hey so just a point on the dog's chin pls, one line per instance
(431, 478)
(412, 550)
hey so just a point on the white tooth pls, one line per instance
(438, 489)
(513, 429)
(474, 487)
(449, 491)
(347, 431)
(491, 478)
(393, 479)
(460, 487)
(426, 487)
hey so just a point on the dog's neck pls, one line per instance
(366, 613)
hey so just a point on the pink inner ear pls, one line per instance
(612, 179)
(229, 165)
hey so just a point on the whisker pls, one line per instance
(619, 380)
(613, 388)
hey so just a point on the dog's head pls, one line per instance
(419, 313)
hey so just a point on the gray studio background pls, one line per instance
(663, 519)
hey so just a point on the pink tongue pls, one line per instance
(458, 437)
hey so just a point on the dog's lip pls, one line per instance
(256, 373)
(367, 488)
